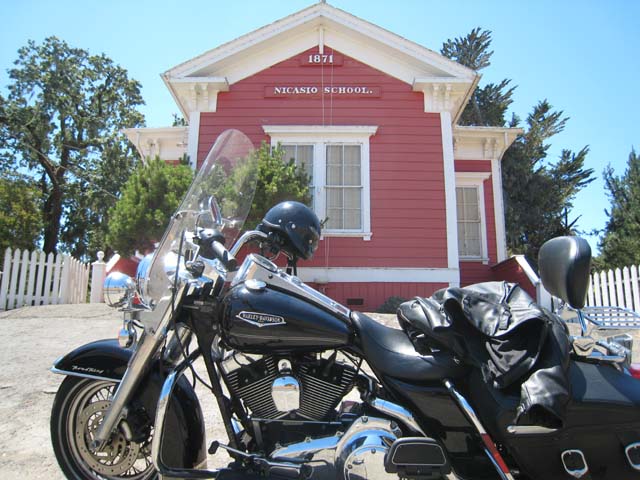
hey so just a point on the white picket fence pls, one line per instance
(616, 288)
(35, 278)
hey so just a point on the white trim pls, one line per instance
(220, 82)
(498, 210)
(329, 131)
(196, 93)
(346, 234)
(443, 94)
(471, 178)
(166, 142)
(476, 179)
(319, 136)
(194, 136)
(450, 190)
(331, 19)
(323, 26)
(378, 275)
(482, 143)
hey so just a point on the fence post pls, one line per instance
(98, 270)
(65, 280)
(6, 274)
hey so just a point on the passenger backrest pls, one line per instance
(564, 264)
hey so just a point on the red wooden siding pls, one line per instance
(511, 271)
(375, 294)
(406, 168)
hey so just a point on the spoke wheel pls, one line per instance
(77, 412)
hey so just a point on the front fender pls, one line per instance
(101, 360)
(107, 360)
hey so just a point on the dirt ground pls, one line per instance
(32, 339)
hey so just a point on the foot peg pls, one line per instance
(266, 467)
(574, 463)
(421, 457)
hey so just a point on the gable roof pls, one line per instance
(445, 83)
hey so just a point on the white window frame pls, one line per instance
(476, 179)
(320, 137)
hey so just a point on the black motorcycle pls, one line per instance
(478, 383)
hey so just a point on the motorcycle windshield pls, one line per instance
(220, 198)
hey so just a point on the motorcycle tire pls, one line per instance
(77, 409)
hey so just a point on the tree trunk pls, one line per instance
(52, 216)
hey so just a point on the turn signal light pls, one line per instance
(634, 370)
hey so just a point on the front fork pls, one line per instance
(149, 343)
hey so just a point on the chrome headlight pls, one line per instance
(119, 289)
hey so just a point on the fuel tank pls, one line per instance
(266, 319)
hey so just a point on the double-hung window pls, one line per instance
(472, 230)
(336, 158)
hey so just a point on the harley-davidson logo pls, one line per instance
(261, 319)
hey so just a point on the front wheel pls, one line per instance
(77, 411)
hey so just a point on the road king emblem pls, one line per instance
(261, 319)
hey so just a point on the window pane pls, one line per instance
(352, 198)
(334, 155)
(304, 158)
(352, 219)
(352, 154)
(471, 195)
(334, 197)
(334, 174)
(335, 218)
(352, 174)
(471, 213)
(289, 152)
(472, 240)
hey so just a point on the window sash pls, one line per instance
(343, 186)
(336, 173)
(469, 222)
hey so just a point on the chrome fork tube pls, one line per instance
(148, 345)
(177, 344)
(136, 369)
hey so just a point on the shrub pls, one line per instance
(391, 304)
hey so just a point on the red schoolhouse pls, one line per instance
(414, 201)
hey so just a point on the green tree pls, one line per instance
(620, 244)
(489, 104)
(20, 219)
(538, 193)
(149, 198)
(61, 122)
(278, 180)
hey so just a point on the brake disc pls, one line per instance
(118, 455)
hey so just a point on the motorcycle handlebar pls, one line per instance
(226, 258)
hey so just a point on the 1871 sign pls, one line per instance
(317, 90)
(312, 59)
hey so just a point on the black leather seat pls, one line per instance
(390, 352)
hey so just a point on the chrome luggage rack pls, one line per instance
(605, 317)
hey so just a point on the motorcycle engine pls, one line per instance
(307, 387)
(292, 403)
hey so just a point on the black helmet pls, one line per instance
(295, 226)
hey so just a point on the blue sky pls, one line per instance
(583, 56)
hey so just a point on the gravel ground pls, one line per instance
(33, 338)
